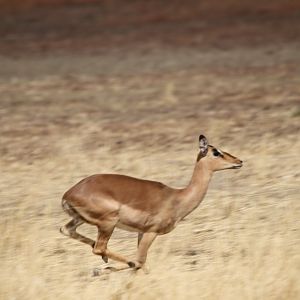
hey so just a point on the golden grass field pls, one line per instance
(133, 99)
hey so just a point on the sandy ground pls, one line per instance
(129, 94)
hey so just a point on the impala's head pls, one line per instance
(215, 158)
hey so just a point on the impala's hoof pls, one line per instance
(102, 271)
(63, 231)
(96, 272)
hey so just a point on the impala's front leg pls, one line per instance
(140, 235)
(145, 242)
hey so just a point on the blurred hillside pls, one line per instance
(41, 26)
(168, 9)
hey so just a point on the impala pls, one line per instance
(150, 208)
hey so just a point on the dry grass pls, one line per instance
(63, 117)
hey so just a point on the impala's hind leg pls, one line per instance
(100, 247)
(70, 230)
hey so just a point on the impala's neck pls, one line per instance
(194, 193)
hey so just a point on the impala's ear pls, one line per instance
(203, 145)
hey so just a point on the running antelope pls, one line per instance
(147, 207)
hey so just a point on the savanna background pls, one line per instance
(127, 87)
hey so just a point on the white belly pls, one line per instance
(126, 227)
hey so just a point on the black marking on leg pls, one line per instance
(105, 258)
(131, 264)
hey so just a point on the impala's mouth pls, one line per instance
(237, 166)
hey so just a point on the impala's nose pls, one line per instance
(238, 164)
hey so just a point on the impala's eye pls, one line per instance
(216, 152)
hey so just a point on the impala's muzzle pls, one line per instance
(238, 164)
